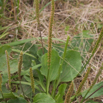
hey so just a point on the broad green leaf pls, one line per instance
(91, 101)
(20, 42)
(17, 100)
(25, 72)
(26, 89)
(13, 66)
(3, 48)
(54, 65)
(27, 60)
(15, 50)
(27, 83)
(28, 40)
(4, 90)
(9, 95)
(4, 78)
(61, 93)
(3, 64)
(96, 94)
(41, 80)
(43, 98)
(40, 53)
(71, 66)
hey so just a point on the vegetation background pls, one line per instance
(81, 20)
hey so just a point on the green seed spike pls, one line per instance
(32, 80)
(38, 21)
(98, 74)
(83, 81)
(8, 67)
(37, 11)
(69, 93)
(20, 64)
(95, 48)
(50, 43)
(0, 83)
(19, 70)
(50, 33)
(64, 54)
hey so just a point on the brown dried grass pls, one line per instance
(79, 16)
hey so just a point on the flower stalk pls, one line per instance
(98, 74)
(50, 42)
(8, 67)
(69, 93)
(38, 21)
(32, 80)
(20, 64)
(19, 70)
(95, 48)
(81, 84)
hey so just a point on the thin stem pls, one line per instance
(69, 93)
(38, 21)
(82, 83)
(94, 50)
(94, 92)
(56, 82)
(32, 80)
(19, 70)
(64, 54)
(99, 72)
(8, 67)
(50, 43)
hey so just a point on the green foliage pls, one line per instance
(1, 2)
(3, 48)
(95, 87)
(91, 101)
(71, 66)
(3, 65)
(61, 93)
(67, 29)
(82, 41)
(43, 98)
(52, 70)
(17, 100)
(5, 32)
(10, 95)
(27, 60)
(26, 89)
(54, 65)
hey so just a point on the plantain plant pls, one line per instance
(36, 2)
(47, 80)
